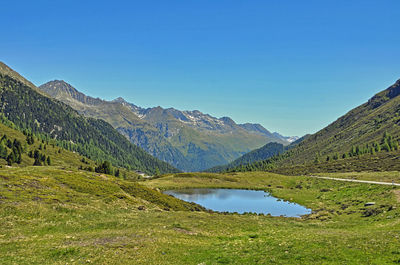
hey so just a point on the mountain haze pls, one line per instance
(189, 140)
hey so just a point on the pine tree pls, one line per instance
(358, 150)
(395, 145)
(105, 168)
(42, 158)
(353, 151)
(30, 140)
(3, 151)
(18, 156)
(378, 148)
(336, 156)
(372, 151)
(37, 162)
(9, 143)
(11, 159)
(386, 146)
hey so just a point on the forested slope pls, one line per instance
(96, 139)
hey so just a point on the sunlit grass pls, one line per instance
(54, 216)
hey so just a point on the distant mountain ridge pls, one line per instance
(30, 109)
(290, 139)
(189, 140)
(262, 153)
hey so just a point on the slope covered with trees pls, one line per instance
(265, 152)
(363, 133)
(96, 139)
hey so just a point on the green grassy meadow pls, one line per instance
(50, 215)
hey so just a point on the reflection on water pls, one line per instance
(235, 200)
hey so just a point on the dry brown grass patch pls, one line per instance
(397, 194)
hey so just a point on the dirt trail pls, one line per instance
(358, 181)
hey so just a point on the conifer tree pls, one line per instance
(3, 151)
(37, 162)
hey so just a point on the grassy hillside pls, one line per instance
(372, 128)
(57, 215)
(59, 157)
(364, 124)
(54, 184)
(53, 216)
(379, 162)
(95, 139)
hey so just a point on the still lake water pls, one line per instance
(236, 200)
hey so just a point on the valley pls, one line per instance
(73, 191)
(200, 132)
(79, 183)
(188, 140)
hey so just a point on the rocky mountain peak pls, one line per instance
(61, 90)
(119, 100)
(228, 121)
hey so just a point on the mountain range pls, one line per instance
(129, 136)
(31, 110)
(188, 140)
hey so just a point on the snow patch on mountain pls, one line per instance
(290, 139)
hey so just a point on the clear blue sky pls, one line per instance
(293, 67)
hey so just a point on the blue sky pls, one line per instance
(293, 67)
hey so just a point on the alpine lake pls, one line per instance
(240, 201)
